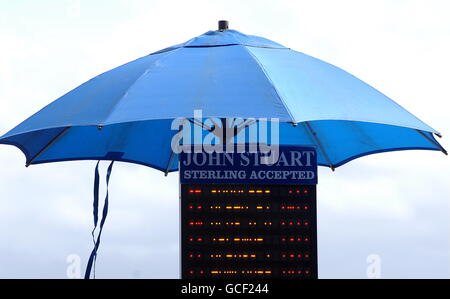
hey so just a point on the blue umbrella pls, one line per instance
(126, 113)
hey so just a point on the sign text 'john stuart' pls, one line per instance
(295, 165)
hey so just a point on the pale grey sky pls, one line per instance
(395, 205)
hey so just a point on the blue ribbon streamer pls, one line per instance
(93, 256)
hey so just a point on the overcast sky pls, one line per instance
(394, 205)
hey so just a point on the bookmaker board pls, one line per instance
(244, 218)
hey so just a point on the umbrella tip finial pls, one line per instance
(223, 25)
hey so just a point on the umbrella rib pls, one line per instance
(214, 123)
(201, 125)
(308, 125)
(272, 84)
(170, 163)
(233, 122)
(432, 141)
(246, 124)
(52, 142)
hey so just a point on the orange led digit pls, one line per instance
(249, 232)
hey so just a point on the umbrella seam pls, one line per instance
(272, 84)
(113, 108)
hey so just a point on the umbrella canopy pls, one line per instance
(126, 113)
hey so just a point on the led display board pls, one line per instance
(241, 218)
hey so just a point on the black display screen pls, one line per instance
(248, 231)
